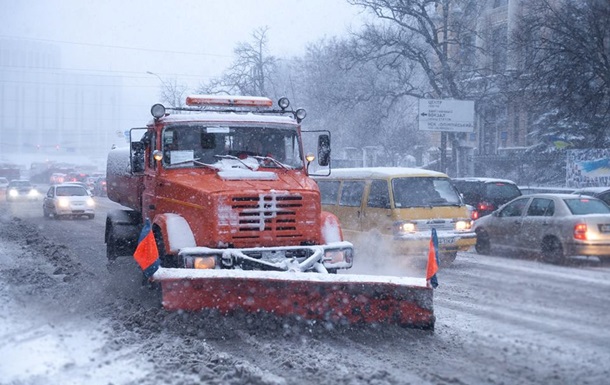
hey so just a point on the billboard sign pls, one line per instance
(446, 115)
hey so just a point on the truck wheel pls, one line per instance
(167, 260)
(112, 246)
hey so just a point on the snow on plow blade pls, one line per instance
(352, 299)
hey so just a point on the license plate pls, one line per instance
(604, 228)
(446, 241)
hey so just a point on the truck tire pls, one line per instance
(112, 246)
(167, 260)
(122, 232)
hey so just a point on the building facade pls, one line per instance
(48, 111)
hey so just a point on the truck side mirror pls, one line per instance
(324, 150)
(137, 157)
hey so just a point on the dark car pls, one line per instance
(602, 193)
(485, 194)
(99, 187)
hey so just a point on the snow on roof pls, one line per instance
(485, 180)
(381, 172)
(230, 117)
(169, 273)
(591, 190)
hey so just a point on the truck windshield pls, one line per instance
(424, 192)
(189, 145)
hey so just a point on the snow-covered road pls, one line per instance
(68, 318)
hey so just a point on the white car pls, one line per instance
(68, 200)
(553, 225)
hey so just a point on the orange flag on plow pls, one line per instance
(147, 254)
(432, 260)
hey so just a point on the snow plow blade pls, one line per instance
(337, 298)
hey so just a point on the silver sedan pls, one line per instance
(553, 225)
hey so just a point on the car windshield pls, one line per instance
(66, 191)
(20, 183)
(424, 191)
(583, 206)
(190, 145)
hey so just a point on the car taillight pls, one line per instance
(474, 215)
(486, 206)
(580, 231)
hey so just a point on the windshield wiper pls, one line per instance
(196, 161)
(275, 161)
(232, 157)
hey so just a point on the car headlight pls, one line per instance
(33, 193)
(13, 193)
(401, 228)
(63, 202)
(463, 225)
(90, 202)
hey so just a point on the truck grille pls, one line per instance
(267, 216)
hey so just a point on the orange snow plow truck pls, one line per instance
(223, 188)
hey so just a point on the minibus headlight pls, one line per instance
(463, 225)
(401, 228)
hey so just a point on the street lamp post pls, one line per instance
(165, 90)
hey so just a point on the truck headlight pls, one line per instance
(338, 256)
(191, 262)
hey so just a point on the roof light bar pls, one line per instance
(228, 100)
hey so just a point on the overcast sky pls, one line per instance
(189, 40)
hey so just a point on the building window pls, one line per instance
(498, 49)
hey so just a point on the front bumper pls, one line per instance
(320, 258)
(448, 242)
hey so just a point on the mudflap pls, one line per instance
(341, 299)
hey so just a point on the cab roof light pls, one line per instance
(157, 110)
(283, 103)
(228, 101)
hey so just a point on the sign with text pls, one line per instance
(446, 115)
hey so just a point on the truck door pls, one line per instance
(142, 145)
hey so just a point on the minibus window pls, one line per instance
(379, 195)
(351, 194)
(329, 191)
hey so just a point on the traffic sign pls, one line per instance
(446, 115)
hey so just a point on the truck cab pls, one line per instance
(225, 183)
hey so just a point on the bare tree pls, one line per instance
(565, 55)
(431, 47)
(173, 93)
(252, 71)
(356, 101)
(428, 40)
